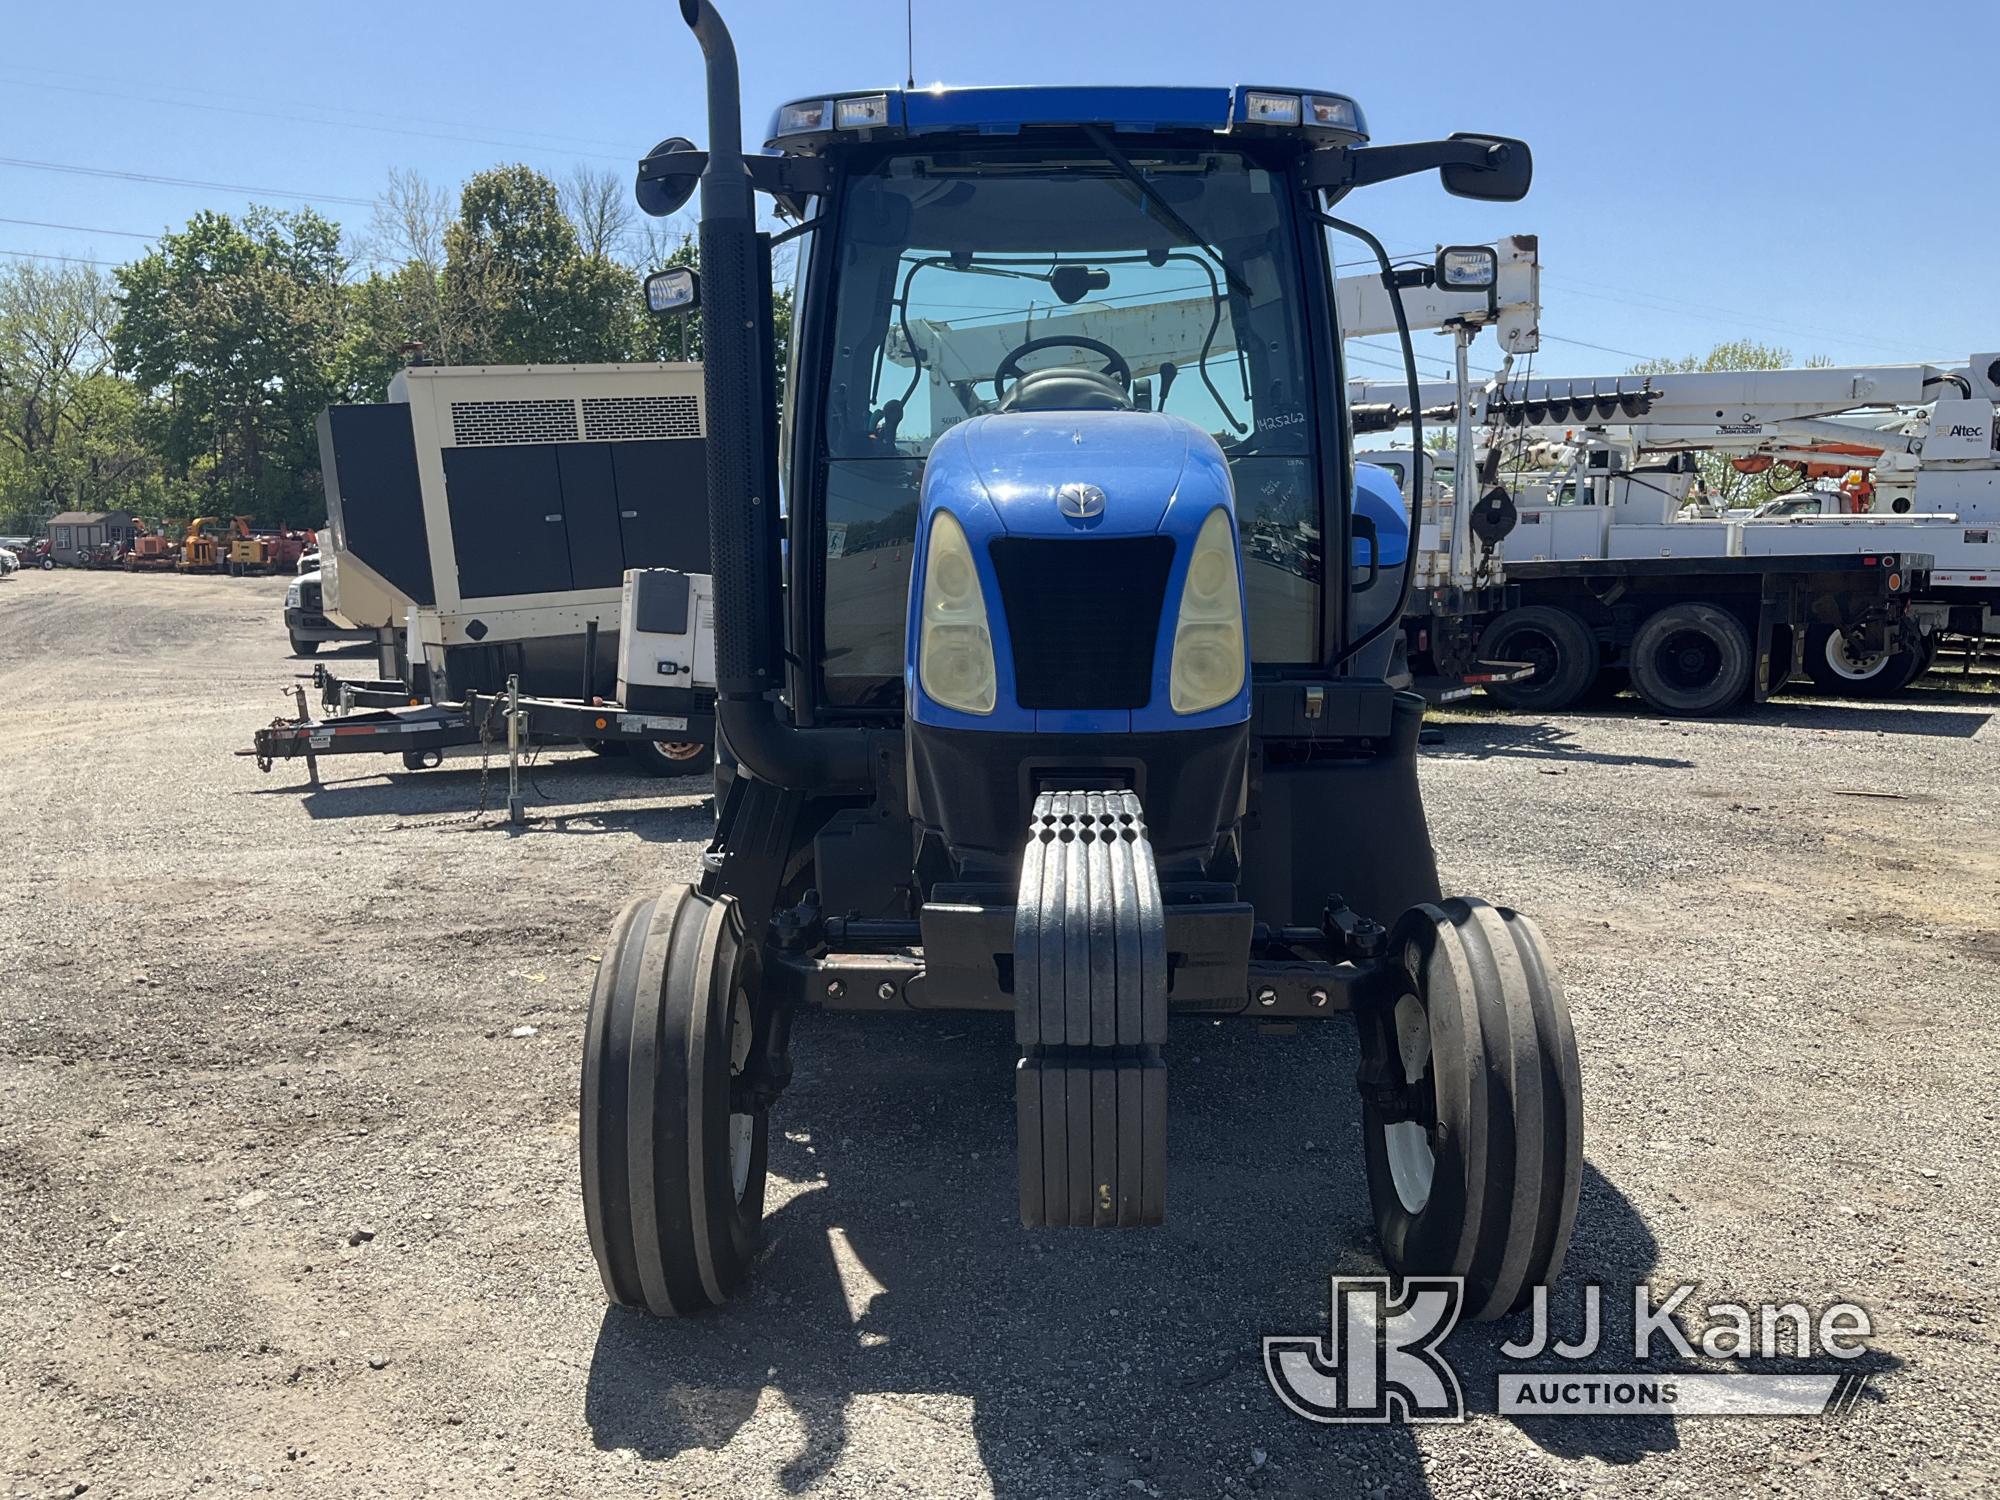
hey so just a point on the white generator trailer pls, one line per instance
(496, 527)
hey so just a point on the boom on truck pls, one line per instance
(1023, 720)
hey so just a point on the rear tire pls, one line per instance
(1472, 1111)
(302, 647)
(673, 1175)
(673, 757)
(1692, 659)
(1835, 669)
(1560, 645)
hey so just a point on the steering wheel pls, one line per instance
(1064, 386)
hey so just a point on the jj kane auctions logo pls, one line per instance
(1380, 1359)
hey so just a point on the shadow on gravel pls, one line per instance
(899, 1302)
(1960, 723)
(453, 790)
(1525, 739)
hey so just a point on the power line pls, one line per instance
(289, 103)
(191, 182)
(1651, 302)
(127, 234)
(81, 260)
(264, 114)
(1600, 348)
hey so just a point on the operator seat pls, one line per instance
(1066, 388)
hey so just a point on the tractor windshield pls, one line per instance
(947, 264)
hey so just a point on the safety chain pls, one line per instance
(454, 820)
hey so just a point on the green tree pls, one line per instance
(518, 287)
(67, 430)
(232, 330)
(1726, 484)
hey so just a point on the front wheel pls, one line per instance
(1472, 1106)
(303, 647)
(674, 1140)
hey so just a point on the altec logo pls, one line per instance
(1380, 1361)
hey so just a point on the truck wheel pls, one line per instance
(673, 1165)
(1560, 646)
(1835, 668)
(673, 757)
(1692, 659)
(1472, 1108)
(303, 647)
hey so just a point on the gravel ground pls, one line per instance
(287, 1129)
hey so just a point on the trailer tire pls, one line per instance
(303, 647)
(1560, 645)
(673, 757)
(1472, 1111)
(673, 1173)
(1834, 670)
(1692, 658)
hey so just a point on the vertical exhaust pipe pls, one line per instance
(743, 456)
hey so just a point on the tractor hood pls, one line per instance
(1078, 473)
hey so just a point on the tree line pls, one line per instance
(186, 382)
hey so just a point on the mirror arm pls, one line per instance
(1339, 168)
(789, 179)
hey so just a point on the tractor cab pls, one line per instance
(1052, 629)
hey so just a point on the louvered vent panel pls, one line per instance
(485, 423)
(612, 418)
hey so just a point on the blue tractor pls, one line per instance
(1053, 626)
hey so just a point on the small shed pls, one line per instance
(75, 534)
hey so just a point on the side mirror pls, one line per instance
(1468, 268)
(673, 291)
(668, 177)
(1503, 176)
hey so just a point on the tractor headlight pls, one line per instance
(955, 649)
(1208, 636)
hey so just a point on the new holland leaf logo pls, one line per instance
(1378, 1360)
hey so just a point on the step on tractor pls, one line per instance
(1047, 693)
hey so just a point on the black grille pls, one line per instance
(309, 599)
(1083, 615)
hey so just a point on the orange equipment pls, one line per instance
(199, 552)
(150, 551)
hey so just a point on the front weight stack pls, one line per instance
(1090, 988)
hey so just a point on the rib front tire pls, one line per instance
(673, 1166)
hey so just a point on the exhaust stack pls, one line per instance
(743, 456)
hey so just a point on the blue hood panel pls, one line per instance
(1000, 475)
(1016, 462)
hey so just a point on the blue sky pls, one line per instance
(1817, 176)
